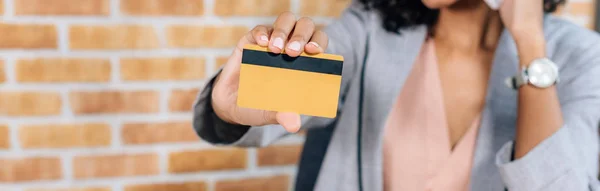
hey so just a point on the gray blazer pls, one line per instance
(568, 160)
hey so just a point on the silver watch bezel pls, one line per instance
(547, 63)
(523, 77)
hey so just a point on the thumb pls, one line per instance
(289, 121)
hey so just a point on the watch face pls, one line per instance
(542, 74)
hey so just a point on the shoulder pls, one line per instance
(576, 51)
(568, 42)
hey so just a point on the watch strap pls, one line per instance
(517, 81)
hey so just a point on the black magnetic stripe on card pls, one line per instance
(301, 63)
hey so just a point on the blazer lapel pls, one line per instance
(391, 58)
(499, 117)
(389, 64)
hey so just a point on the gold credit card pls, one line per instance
(307, 85)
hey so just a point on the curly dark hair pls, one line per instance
(399, 14)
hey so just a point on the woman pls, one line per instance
(425, 100)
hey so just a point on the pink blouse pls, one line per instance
(417, 150)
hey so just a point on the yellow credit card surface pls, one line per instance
(307, 85)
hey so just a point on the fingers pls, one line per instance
(302, 33)
(289, 121)
(261, 34)
(282, 28)
(318, 43)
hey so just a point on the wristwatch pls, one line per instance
(541, 73)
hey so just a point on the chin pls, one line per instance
(437, 4)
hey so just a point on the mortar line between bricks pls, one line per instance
(115, 70)
(118, 184)
(124, 118)
(117, 187)
(115, 140)
(8, 11)
(9, 188)
(9, 66)
(62, 31)
(67, 168)
(211, 185)
(65, 112)
(163, 163)
(15, 146)
(292, 181)
(95, 87)
(209, 6)
(295, 6)
(125, 53)
(161, 34)
(161, 20)
(118, 148)
(115, 13)
(99, 151)
(251, 162)
(210, 65)
(163, 102)
(65, 104)
(207, 176)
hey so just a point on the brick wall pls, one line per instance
(95, 95)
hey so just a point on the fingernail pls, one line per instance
(264, 38)
(314, 44)
(291, 121)
(295, 46)
(278, 42)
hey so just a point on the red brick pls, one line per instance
(163, 7)
(64, 135)
(320, 26)
(71, 189)
(112, 37)
(4, 137)
(29, 103)
(186, 36)
(582, 8)
(182, 100)
(273, 183)
(63, 70)
(146, 133)
(62, 7)
(559, 10)
(207, 160)
(251, 7)
(185, 186)
(327, 8)
(30, 169)
(28, 36)
(590, 26)
(115, 165)
(114, 102)
(279, 155)
(162, 69)
(221, 61)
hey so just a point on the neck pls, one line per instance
(469, 25)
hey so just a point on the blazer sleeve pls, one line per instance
(344, 34)
(568, 159)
